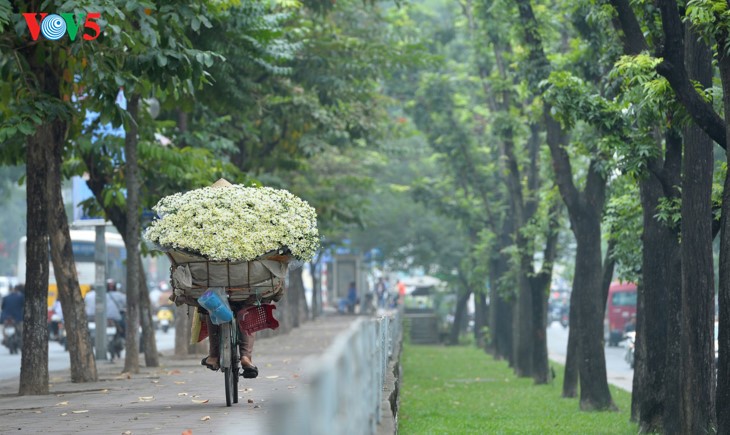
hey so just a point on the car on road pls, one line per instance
(620, 311)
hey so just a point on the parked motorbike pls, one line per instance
(630, 338)
(11, 337)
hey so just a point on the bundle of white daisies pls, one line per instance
(227, 222)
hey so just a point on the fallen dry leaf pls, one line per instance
(250, 400)
(146, 398)
(200, 401)
(81, 411)
(174, 372)
(187, 432)
(127, 432)
(182, 394)
(179, 382)
(62, 403)
(206, 418)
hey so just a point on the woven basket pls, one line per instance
(255, 281)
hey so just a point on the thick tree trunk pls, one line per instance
(81, 353)
(723, 363)
(660, 264)
(131, 241)
(540, 288)
(594, 392)
(698, 289)
(34, 359)
(500, 310)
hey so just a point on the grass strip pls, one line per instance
(462, 390)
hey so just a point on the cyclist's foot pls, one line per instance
(250, 371)
(210, 362)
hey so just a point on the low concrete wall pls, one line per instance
(352, 388)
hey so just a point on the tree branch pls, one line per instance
(673, 69)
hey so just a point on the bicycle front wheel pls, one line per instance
(226, 364)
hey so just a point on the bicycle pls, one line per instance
(230, 359)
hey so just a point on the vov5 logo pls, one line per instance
(54, 26)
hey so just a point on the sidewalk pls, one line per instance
(179, 397)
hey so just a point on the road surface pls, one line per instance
(618, 370)
(58, 358)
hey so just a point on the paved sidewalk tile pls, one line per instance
(179, 396)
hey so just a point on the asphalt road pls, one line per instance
(618, 370)
(58, 358)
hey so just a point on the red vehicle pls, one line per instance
(620, 312)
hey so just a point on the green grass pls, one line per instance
(462, 390)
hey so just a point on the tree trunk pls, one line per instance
(316, 290)
(572, 355)
(698, 289)
(480, 318)
(660, 264)
(540, 288)
(594, 392)
(131, 241)
(183, 323)
(500, 311)
(81, 353)
(34, 359)
(149, 343)
(459, 316)
(723, 363)
(523, 328)
(723, 341)
(296, 296)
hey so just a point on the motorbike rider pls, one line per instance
(116, 305)
(12, 307)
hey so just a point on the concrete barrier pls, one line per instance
(352, 388)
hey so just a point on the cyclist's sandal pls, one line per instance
(213, 367)
(250, 372)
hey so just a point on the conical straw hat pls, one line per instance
(221, 183)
